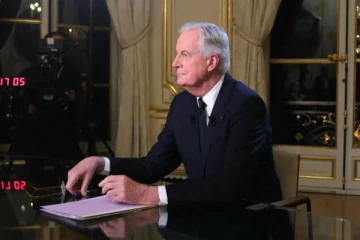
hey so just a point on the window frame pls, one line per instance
(49, 22)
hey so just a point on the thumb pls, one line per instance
(85, 184)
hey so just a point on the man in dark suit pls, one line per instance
(218, 128)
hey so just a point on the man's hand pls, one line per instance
(123, 189)
(124, 226)
(79, 177)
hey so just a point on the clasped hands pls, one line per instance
(119, 188)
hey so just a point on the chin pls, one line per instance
(184, 82)
(181, 83)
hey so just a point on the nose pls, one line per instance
(176, 62)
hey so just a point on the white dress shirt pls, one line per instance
(209, 99)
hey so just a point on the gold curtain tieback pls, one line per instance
(137, 39)
(245, 37)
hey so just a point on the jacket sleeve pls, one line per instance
(162, 159)
(247, 143)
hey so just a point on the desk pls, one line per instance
(21, 219)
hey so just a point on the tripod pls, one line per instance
(92, 126)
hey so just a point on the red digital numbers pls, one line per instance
(12, 82)
(18, 82)
(5, 81)
(12, 185)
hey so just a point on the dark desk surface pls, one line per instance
(20, 218)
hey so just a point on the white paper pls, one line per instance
(90, 208)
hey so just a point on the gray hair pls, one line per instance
(213, 40)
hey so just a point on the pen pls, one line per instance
(88, 192)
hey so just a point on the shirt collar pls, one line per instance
(211, 96)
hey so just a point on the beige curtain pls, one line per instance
(131, 21)
(253, 21)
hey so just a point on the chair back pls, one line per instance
(287, 169)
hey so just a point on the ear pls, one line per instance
(213, 62)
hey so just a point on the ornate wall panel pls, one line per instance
(356, 174)
(316, 167)
(176, 13)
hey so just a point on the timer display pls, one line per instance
(12, 81)
(11, 185)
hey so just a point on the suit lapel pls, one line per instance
(218, 114)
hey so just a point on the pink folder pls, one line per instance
(91, 208)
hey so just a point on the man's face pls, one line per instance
(191, 67)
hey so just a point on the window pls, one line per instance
(302, 77)
(74, 20)
(20, 24)
(23, 22)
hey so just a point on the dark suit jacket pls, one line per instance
(237, 162)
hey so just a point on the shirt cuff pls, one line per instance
(106, 171)
(163, 217)
(162, 196)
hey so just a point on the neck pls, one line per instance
(207, 84)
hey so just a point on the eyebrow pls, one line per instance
(185, 51)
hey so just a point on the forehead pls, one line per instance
(188, 40)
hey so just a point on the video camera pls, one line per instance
(51, 51)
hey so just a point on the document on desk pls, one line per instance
(91, 208)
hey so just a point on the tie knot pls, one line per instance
(202, 105)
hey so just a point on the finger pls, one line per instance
(85, 184)
(102, 226)
(116, 224)
(101, 184)
(111, 193)
(120, 198)
(107, 187)
(106, 228)
(71, 185)
(106, 180)
(107, 225)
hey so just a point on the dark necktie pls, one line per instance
(202, 123)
